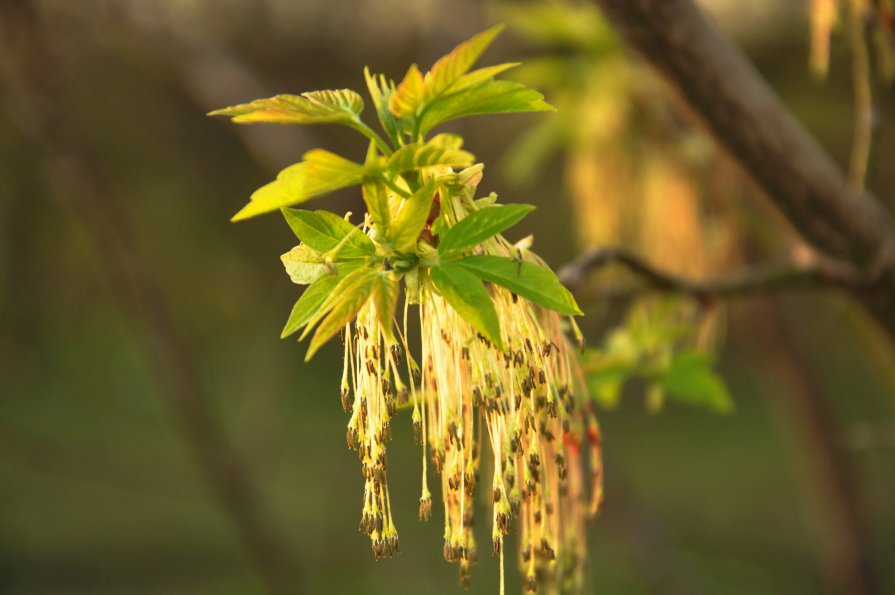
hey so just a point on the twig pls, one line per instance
(718, 83)
(32, 98)
(784, 277)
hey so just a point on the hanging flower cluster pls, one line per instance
(493, 366)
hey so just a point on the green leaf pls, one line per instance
(477, 77)
(458, 61)
(385, 297)
(535, 283)
(409, 95)
(303, 264)
(691, 379)
(492, 97)
(478, 226)
(466, 294)
(342, 106)
(381, 90)
(311, 300)
(441, 150)
(376, 198)
(411, 219)
(324, 232)
(319, 173)
(342, 304)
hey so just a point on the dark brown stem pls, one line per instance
(32, 74)
(786, 277)
(723, 88)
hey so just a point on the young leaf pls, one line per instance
(311, 300)
(342, 106)
(319, 173)
(381, 91)
(385, 296)
(340, 307)
(376, 198)
(458, 61)
(535, 283)
(408, 97)
(478, 226)
(492, 97)
(411, 219)
(303, 264)
(478, 76)
(440, 150)
(466, 294)
(324, 231)
(690, 378)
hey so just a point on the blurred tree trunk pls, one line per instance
(736, 104)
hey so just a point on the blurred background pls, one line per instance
(157, 437)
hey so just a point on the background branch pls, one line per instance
(32, 75)
(747, 118)
(822, 273)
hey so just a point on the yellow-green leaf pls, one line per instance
(341, 306)
(535, 283)
(315, 107)
(478, 76)
(478, 226)
(466, 294)
(313, 297)
(376, 198)
(385, 296)
(320, 172)
(441, 150)
(492, 97)
(303, 264)
(411, 219)
(458, 61)
(409, 95)
(329, 234)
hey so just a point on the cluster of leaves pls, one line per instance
(406, 179)
(647, 347)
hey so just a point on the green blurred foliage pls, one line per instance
(98, 492)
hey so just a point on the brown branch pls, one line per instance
(720, 85)
(785, 277)
(32, 76)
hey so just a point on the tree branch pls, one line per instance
(784, 277)
(720, 85)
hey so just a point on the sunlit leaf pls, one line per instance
(324, 231)
(411, 219)
(458, 61)
(314, 296)
(381, 91)
(478, 226)
(342, 304)
(409, 95)
(535, 283)
(478, 76)
(319, 173)
(493, 97)
(385, 296)
(466, 294)
(376, 198)
(303, 264)
(440, 150)
(340, 106)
